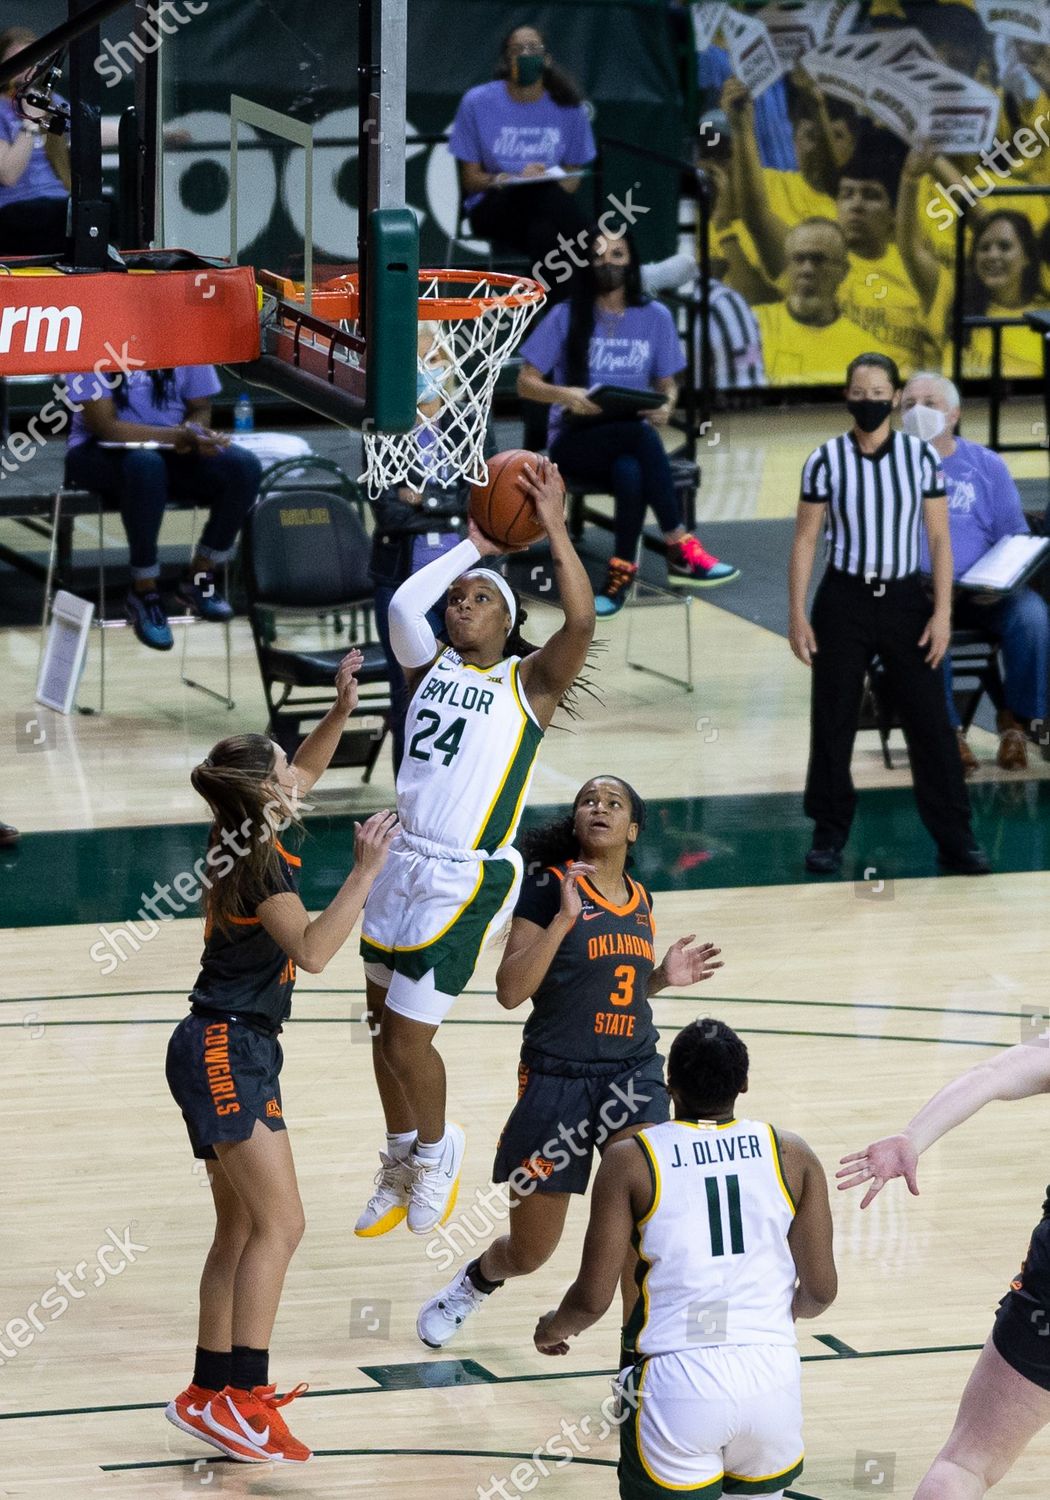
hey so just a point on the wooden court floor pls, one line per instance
(854, 1009)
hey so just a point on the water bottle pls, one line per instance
(243, 414)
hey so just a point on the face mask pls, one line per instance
(607, 278)
(869, 415)
(527, 69)
(924, 422)
(430, 382)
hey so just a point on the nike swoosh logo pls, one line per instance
(589, 916)
(257, 1439)
(196, 1411)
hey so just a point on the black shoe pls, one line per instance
(968, 862)
(8, 836)
(824, 861)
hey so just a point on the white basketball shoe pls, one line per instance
(388, 1205)
(434, 1185)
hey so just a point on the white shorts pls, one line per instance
(429, 914)
(720, 1419)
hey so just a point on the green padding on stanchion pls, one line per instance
(392, 292)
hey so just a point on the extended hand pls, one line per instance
(372, 840)
(879, 1163)
(346, 680)
(660, 415)
(684, 965)
(543, 485)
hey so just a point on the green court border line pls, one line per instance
(369, 1390)
(852, 1036)
(933, 1010)
(181, 1463)
(598, 1463)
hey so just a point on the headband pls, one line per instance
(501, 584)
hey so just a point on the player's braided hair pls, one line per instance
(707, 1068)
(517, 645)
(236, 780)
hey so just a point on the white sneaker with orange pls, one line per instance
(250, 1420)
(187, 1413)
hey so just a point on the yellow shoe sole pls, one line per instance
(390, 1220)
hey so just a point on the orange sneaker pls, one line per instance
(250, 1419)
(187, 1413)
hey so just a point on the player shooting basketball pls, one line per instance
(478, 713)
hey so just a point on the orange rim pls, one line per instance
(338, 299)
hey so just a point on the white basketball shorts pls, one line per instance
(721, 1419)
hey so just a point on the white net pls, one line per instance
(458, 362)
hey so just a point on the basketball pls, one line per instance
(501, 507)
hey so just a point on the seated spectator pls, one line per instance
(34, 169)
(807, 339)
(983, 506)
(530, 119)
(1002, 281)
(8, 836)
(610, 333)
(167, 407)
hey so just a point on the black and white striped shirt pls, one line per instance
(736, 341)
(874, 502)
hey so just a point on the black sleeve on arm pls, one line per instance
(540, 898)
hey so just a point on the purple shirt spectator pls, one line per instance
(39, 180)
(192, 383)
(633, 348)
(983, 505)
(503, 135)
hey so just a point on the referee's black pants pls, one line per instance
(854, 621)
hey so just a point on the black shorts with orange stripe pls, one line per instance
(1021, 1332)
(549, 1140)
(224, 1075)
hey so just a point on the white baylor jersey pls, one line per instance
(715, 1262)
(470, 745)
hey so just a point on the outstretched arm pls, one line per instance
(919, 260)
(314, 755)
(1017, 1073)
(549, 672)
(768, 230)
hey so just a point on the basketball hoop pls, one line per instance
(469, 322)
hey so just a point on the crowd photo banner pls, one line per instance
(843, 141)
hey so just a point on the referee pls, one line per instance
(873, 488)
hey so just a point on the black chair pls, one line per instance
(306, 552)
(975, 671)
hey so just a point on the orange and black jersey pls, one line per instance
(592, 1005)
(243, 971)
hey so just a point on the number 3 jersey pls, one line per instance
(470, 746)
(714, 1262)
(592, 1004)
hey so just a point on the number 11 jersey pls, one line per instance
(715, 1266)
(470, 746)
